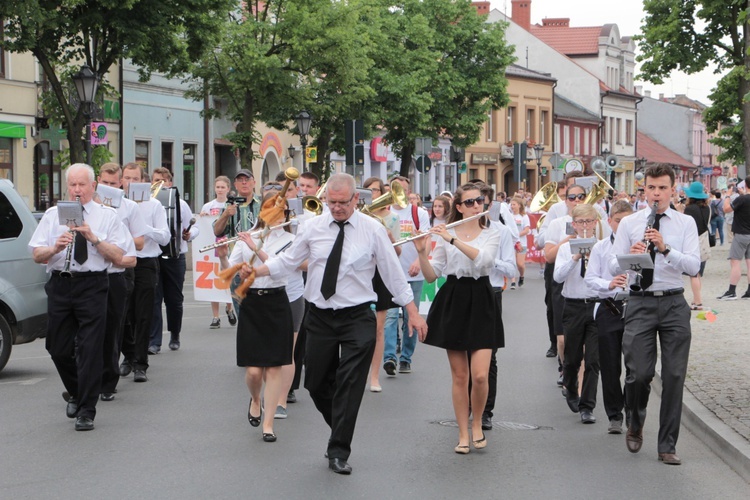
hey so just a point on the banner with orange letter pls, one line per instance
(207, 286)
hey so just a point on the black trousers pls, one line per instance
(492, 376)
(549, 270)
(299, 351)
(77, 316)
(120, 288)
(140, 314)
(610, 326)
(339, 351)
(670, 317)
(168, 290)
(581, 343)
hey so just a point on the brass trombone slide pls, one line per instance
(229, 241)
(449, 226)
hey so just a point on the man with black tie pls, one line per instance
(660, 307)
(171, 273)
(77, 301)
(343, 248)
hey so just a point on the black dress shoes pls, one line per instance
(551, 352)
(486, 422)
(140, 376)
(634, 440)
(269, 437)
(587, 417)
(72, 408)
(174, 343)
(84, 424)
(571, 399)
(339, 466)
(125, 368)
(108, 396)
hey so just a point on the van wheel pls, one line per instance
(6, 342)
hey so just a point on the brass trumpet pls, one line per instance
(155, 188)
(313, 203)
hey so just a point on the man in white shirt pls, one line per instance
(343, 249)
(171, 277)
(141, 308)
(411, 219)
(120, 282)
(77, 297)
(660, 307)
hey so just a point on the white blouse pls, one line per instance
(276, 242)
(449, 260)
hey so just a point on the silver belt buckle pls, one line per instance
(262, 292)
(659, 293)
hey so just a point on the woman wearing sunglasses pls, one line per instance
(462, 317)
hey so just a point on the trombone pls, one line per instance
(449, 226)
(313, 203)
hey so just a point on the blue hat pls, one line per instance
(695, 190)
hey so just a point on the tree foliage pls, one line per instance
(157, 35)
(688, 35)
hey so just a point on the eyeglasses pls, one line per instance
(472, 201)
(340, 203)
(272, 187)
(585, 222)
(572, 197)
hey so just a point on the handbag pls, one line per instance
(711, 239)
(705, 248)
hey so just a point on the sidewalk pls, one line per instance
(717, 397)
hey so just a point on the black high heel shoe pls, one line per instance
(254, 421)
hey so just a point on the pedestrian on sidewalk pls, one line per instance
(697, 208)
(740, 248)
(717, 216)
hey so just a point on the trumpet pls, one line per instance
(449, 226)
(229, 241)
(155, 188)
(65, 273)
(313, 203)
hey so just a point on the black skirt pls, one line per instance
(265, 330)
(463, 316)
(385, 299)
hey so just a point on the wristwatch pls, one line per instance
(96, 242)
(667, 249)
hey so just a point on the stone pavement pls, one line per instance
(719, 368)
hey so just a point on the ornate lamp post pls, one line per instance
(304, 120)
(538, 154)
(291, 152)
(86, 83)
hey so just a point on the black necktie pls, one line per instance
(647, 278)
(328, 287)
(80, 251)
(583, 266)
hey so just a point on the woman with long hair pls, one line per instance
(214, 207)
(463, 314)
(518, 208)
(377, 186)
(265, 332)
(441, 207)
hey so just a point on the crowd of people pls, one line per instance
(340, 295)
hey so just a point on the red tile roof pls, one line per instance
(570, 41)
(654, 152)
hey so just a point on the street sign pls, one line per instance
(424, 164)
(312, 154)
(462, 167)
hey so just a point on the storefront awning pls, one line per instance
(13, 130)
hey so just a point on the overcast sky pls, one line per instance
(628, 15)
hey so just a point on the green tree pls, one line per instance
(157, 35)
(439, 71)
(688, 35)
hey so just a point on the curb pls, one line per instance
(728, 445)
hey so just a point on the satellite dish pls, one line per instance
(598, 164)
(556, 160)
(612, 161)
(573, 165)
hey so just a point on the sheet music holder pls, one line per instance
(635, 261)
(365, 196)
(582, 245)
(109, 196)
(70, 213)
(295, 206)
(587, 182)
(139, 191)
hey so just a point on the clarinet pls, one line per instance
(65, 273)
(636, 287)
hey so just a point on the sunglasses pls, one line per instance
(572, 197)
(272, 187)
(471, 202)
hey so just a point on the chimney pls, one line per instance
(661, 97)
(521, 13)
(648, 93)
(639, 89)
(483, 8)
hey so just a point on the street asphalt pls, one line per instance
(184, 434)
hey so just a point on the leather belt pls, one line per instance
(86, 274)
(582, 301)
(658, 293)
(266, 291)
(343, 310)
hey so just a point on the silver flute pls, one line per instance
(69, 252)
(229, 241)
(449, 226)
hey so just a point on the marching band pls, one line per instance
(125, 243)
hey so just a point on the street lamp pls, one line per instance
(86, 83)
(538, 154)
(304, 119)
(291, 152)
